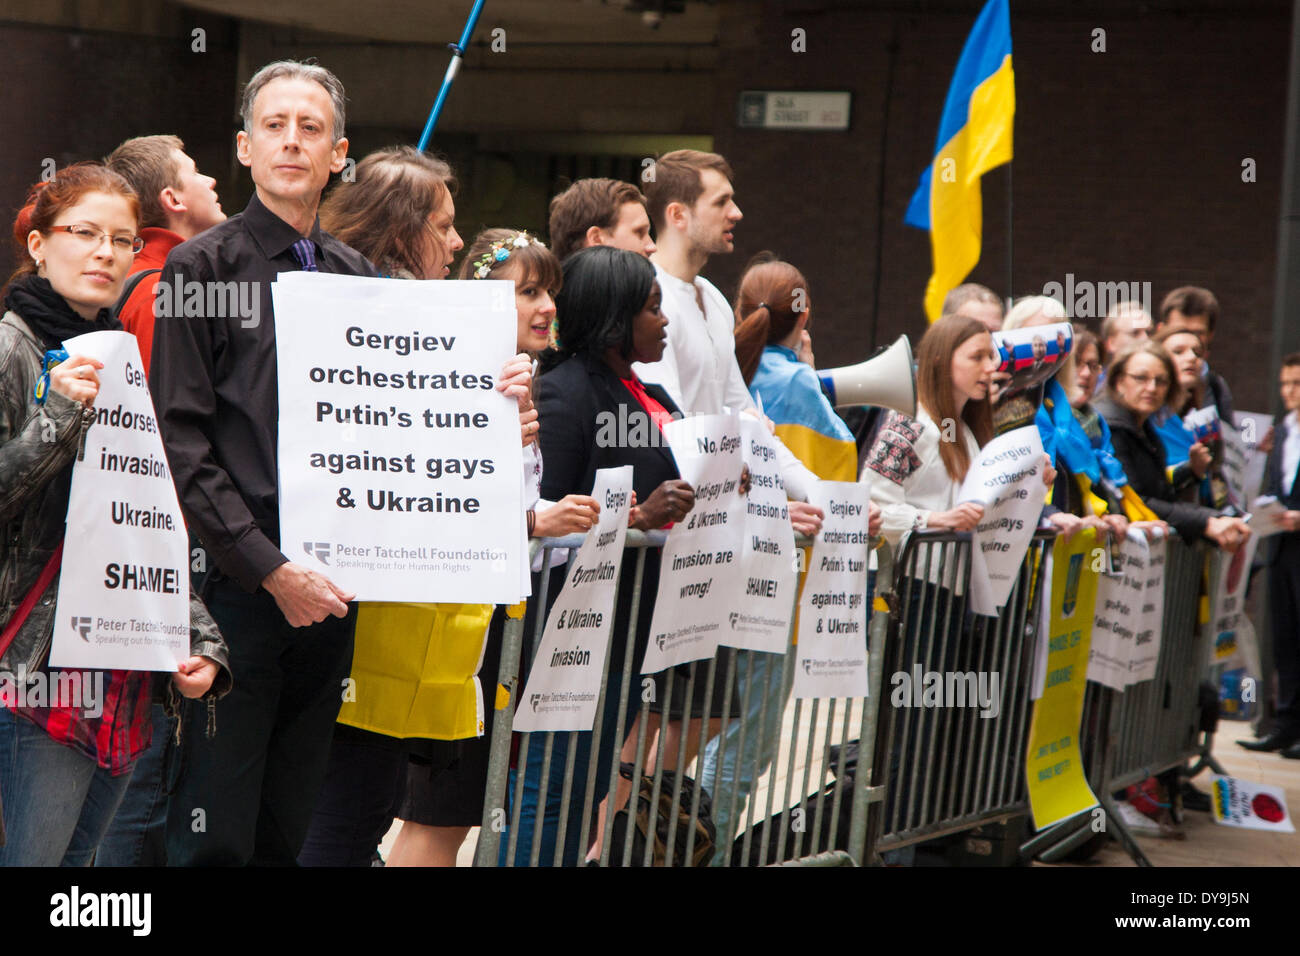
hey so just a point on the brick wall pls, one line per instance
(1128, 165)
(75, 95)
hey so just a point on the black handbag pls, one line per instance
(642, 830)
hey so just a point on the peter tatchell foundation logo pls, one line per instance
(320, 550)
(81, 626)
(535, 699)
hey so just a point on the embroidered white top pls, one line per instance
(908, 477)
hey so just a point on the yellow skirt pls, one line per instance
(414, 670)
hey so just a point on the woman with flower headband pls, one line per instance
(409, 696)
(446, 781)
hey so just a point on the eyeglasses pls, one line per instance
(1144, 380)
(91, 237)
(1093, 367)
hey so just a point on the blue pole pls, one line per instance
(457, 52)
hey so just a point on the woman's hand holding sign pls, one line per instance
(962, 518)
(572, 514)
(194, 676)
(1049, 473)
(517, 382)
(806, 519)
(76, 378)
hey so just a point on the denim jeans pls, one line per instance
(758, 678)
(58, 802)
(137, 834)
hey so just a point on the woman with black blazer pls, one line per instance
(595, 413)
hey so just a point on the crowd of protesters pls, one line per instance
(612, 317)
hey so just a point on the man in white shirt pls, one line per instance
(691, 202)
(692, 205)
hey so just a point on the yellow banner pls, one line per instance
(1058, 788)
(413, 670)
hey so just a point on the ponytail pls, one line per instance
(752, 336)
(773, 297)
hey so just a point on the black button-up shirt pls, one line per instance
(213, 378)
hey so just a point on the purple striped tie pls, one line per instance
(304, 250)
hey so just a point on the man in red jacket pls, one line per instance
(176, 203)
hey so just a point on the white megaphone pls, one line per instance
(887, 378)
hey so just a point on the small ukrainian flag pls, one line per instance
(974, 137)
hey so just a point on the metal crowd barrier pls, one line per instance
(810, 794)
(945, 769)
(1149, 727)
(841, 782)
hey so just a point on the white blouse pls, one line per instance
(534, 501)
(907, 474)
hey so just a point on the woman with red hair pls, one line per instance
(65, 760)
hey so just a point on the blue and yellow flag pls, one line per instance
(974, 137)
(805, 421)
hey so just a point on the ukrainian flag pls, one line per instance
(974, 137)
(805, 422)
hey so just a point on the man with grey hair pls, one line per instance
(1125, 323)
(247, 792)
(977, 302)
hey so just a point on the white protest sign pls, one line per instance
(399, 461)
(1151, 618)
(700, 578)
(1127, 620)
(1265, 517)
(1236, 458)
(124, 587)
(1249, 805)
(831, 653)
(1228, 599)
(1108, 653)
(1254, 426)
(563, 685)
(1006, 477)
(762, 622)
